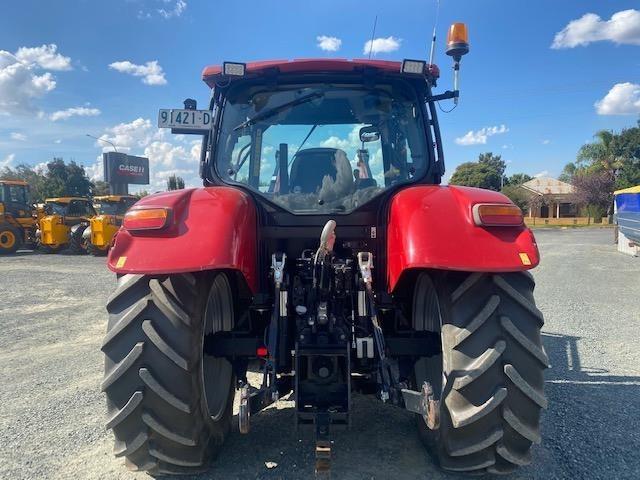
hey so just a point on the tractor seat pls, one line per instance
(310, 166)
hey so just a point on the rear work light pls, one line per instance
(413, 66)
(497, 215)
(146, 219)
(234, 69)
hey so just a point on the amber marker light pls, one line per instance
(457, 40)
(146, 218)
(497, 215)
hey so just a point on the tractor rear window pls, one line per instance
(321, 148)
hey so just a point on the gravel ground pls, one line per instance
(52, 321)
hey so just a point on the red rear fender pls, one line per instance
(433, 227)
(210, 228)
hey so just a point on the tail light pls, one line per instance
(497, 215)
(146, 219)
(262, 352)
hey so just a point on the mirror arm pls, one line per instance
(444, 96)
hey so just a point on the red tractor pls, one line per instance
(323, 252)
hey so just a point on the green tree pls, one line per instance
(487, 172)
(603, 155)
(517, 179)
(100, 188)
(627, 142)
(517, 195)
(175, 183)
(34, 178)
(616, 154)
(594, 192)
(568, 172)
(66, 179)
(58, 180)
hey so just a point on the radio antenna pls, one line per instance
(373, 34)
(435, 26)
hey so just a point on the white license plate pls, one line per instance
(191, 119)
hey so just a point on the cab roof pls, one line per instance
(112, 198)
(213, 73)
(64, 199)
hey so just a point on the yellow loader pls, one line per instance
(110, 212)
(63, 224)
(17, 220)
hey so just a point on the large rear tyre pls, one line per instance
(169, 406)
(490, 374)
(10, 239)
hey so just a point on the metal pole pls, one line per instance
(103, 140)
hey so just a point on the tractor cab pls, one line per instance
(308, 148)
(110, 211)
(15, 198)
(16, 215)
(63, 222)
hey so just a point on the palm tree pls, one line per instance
(601, 156)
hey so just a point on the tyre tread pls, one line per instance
(156, 430)
(493, 360)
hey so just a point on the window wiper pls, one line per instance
(280, 108)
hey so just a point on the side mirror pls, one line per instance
(369, 134)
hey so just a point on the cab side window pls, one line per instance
(17, 194)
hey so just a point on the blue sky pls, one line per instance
(105, 68)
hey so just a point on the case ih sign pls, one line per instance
(120, 168)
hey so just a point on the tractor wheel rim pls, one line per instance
(217, 373)
(7, 239)
(433, 310)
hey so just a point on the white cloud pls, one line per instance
(328, 44)
(335, 142)
(622, 28)
(381, 45)
(58, 141)
(175, 8)
(127, 136)
(622, 99)
(480, 137)
(20, 85)
(45, 56)
(21, 137)
(268, 150)
(151, 72)
(351, 143)
(546, 141)
(543, 173)
(8, 160)
(74, 112)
